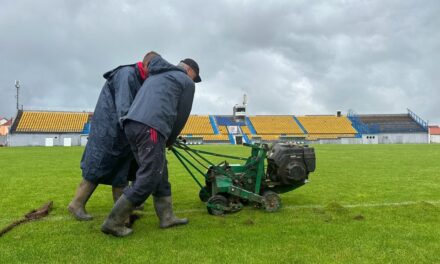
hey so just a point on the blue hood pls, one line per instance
(159, 65)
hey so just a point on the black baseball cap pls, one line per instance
(193, 64)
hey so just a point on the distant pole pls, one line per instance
(17, 85)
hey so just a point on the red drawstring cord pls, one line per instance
(153, 135)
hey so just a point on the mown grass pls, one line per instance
(333, 219)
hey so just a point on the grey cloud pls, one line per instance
(289, 57)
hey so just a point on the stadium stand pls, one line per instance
(198, 125)
(221, 129)
(246, 130)
(359, 126)
(48, 122)
(270, 137)
(215, 137)
(327, 127)
(417, 119)
(202, 127)
(227, 121)
(392, 123)
(213, 124)
(250, 126)
(275, 125)
(327, 136)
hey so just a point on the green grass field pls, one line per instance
(364, 204)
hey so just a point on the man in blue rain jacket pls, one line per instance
(107, 158)
(156, 117)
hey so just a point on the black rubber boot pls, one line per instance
(115, 222)
(117, 192)
(77, 206)
(140, 207)
(164, 210)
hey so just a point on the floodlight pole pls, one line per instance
(17, 85)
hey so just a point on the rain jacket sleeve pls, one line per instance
(183, 111)
(122, 82)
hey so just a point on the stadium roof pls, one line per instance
(5, 122)
(8, 123)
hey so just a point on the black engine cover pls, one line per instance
(290, 163)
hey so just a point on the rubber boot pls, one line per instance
(77, 206)
(115, 222)
(117, 192)
(164, 210)
(140, 207)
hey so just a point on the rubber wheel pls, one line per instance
(217, 200)
(204, 194)
(271, 201)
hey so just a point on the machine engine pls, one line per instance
(289, 165)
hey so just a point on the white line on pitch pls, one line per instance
(288, 207)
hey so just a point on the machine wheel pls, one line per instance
(235, 206)
(204, 194)
(271, 201)
(215, 200)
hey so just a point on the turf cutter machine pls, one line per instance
(228, 187)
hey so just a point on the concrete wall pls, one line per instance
(83, 140)
(327, 141)
(400, 138)
(370, 139)
(351, 140)
(3, 140)
(337, 141)
(435, 138)
(403, 138)
(19, 140)
(16, 140)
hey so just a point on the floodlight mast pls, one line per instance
(17, 85)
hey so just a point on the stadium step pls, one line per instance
(213, 124)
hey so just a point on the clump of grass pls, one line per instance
(336, 208)
(359, 217)
(249, 222)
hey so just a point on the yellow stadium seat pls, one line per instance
(246, 130)
(271, 125)
(32, 121)
(199, 125)
(327, 127)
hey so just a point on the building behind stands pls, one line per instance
(5, 124)
(46, 128)
(434, 134)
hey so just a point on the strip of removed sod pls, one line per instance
(315, 227)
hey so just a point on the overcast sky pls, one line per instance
(289, 57)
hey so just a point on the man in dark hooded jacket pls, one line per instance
(107, 158)
(157, 115)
